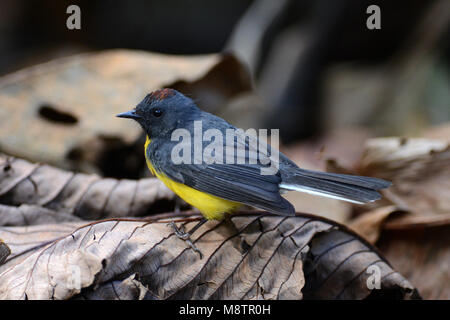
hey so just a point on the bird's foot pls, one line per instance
(179, 231)
(185, 236)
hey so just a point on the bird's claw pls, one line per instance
(185, 236)
(194, 247)
(179, 231)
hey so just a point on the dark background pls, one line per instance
(306, 38)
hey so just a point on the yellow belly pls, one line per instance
(210, 206)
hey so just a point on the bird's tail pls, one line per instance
(356, 189)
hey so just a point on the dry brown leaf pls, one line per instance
(416, 242)
(84, 196)
(255, 257)
(344, 144)
(63, 112)
(411, 222)
(370, 224)
(28, 215)
(421, 252)
(128, 289)
(418, 168)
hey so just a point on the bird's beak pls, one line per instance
(129, 114)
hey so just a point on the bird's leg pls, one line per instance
(179, 232)
(198, 225)
(186, 236)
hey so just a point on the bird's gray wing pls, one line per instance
(242, 183)
(235, 182)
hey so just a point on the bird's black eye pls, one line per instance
(157, 112)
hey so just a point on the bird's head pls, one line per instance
(162, 111)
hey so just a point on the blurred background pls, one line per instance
(315, 66)
(311, 68)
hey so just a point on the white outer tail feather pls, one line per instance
(316, 192)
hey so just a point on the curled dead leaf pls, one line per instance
(28, 215)
(81, 195)
(128, 289)
(421, 252)
(63, 112)
(251, 256)
(417, 241)
(411, 222)
(370, 224)
(418, 168)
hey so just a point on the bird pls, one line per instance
(218, 188)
